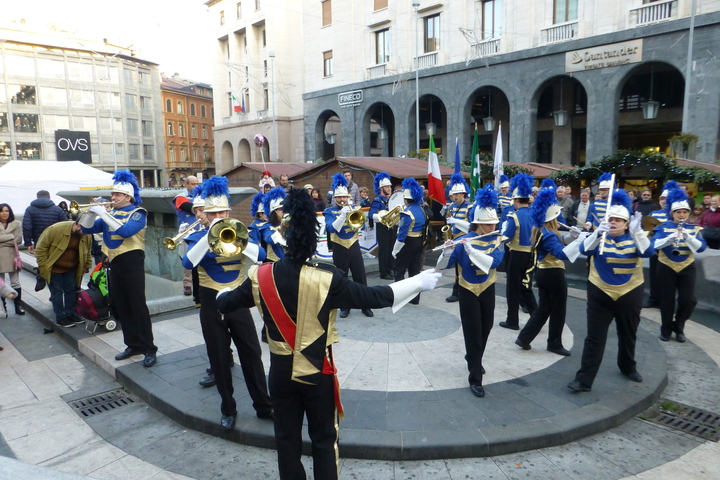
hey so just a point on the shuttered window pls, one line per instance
(326, 13)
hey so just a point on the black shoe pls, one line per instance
(127, 353)
(477, 390)
(523, 345)
(664, 338)
(344, 313)
(367, 312)
(560, 351)
(452, 299)
(576, 387)
(414, 301)
(19, 310)
(67, 323)
(525, 310)
(227, 422)
(680, 337)
(634, 376)
(266, 416)
(650, 304)
(149, 360)
(507, 325)
(482, 369)
(40, 284)
(208, 380)
(387, 277)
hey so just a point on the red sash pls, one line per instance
(288, 328)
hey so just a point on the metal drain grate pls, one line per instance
(691, 420)
(101, 403)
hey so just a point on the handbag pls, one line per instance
(17, 263)
(712, 233)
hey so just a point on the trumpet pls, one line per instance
(676, 244)
(459, 240)
(172, 243)
(227, 237)
(75, 207)
(355, 219)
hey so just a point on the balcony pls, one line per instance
(560, 32)
(653, 13)
(376, 71)
(427, 60)
(487, 47)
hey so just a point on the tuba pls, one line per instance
(227, 237)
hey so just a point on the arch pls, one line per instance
(379, 120)
(432, 110)
(192, 109)
(486, 106)
(202, 111)
(226, 157)
(328, 128)
(168, 105)
(244, 152)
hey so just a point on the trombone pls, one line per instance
(75, 207)
(172, 243)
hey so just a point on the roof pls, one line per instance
(542, 170)
(275, 168)
(694, 163)
(397, 167)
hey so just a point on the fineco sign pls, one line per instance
(612, 55)
(71, 146)
(349, 99)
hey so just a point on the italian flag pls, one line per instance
(236, 105)
(435, 185)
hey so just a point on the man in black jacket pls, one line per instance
(41, 213)
(646, 205)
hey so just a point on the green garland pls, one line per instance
(658, 166)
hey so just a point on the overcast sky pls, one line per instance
(173, 33)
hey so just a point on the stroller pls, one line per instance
(93, 304)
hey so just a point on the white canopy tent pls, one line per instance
(20, 180)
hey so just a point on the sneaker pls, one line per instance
(65, 322)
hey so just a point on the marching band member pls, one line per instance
(298, 302)
(345, 239)
(408, 250)
(517, 230)
(476, 257)
(504, 199)
(123, 230)
(385, 236)
(549, 252)
(216, 273)
(615, 289)
(257, 210)
(270, 231)
(676, 243)
(599, 205)
(660, 216)
(457, 217)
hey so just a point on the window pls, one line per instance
(133, 151)
(183, 155)
(171, 133)
(196, 154)
(194, 130)
(22, 94)
(257, 4)
(25, 122)
(48, 68)
(204, 132)
(222, 17)
(192, 109)
(145, 104)
(491, 19)
(181, 129)
(132, 126)
(202, 111)
(238, 9)
(82, 98)
(432, 33)
(129, 76)
(28, 150)
(266, 97)
(147, 128)
(179, 107)
(382, 46)
(168, 105)
(326, 12)
(566, 10)
(23, 66)
(380, 4)
(148, 152)
(130, 101)
(172, 154)
(54, 97)
(144, 78)
(327, 64)
(264, 39)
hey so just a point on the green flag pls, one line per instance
(474, 167)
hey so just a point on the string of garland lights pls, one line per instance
(654, 167)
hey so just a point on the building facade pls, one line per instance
(63, 98)
(188, 125)
(565, 81)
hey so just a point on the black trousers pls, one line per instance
(671, 283)
(601, 310)
(654, 299)
(477, 317)
(126, 276)
(218, 330)
(410, 259)
(292, 401)
(385, 240)
(552, 292)
(515, 292)
(349, 260)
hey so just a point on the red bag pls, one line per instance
(17, 262)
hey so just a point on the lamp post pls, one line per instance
(274, 156)
(416, 6)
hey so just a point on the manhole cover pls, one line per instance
(101, 403)
(692, 420)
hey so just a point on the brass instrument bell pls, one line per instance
(228, 237)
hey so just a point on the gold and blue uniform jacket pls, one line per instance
(412, 222)
(461, 213)
(596, 213)
(685, 256)
(131, 236)
(469, 275)
(550, 250)
(346, 236)
(276, 251)
(517, 228)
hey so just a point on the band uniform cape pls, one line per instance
(299, 306)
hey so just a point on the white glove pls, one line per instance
(635, 221)
(574, 233)
(396, 249)
(183, 226)
(222, 292)
(663, 242)
(685, 233)
(443, 210)
(451, 221)
(429, 279)
(468, 248)
(587, 225)
(376, 217)
(405, 290)
(346, 209)
(603, 227)
(339, 221)
(693, 243)
(97, 210)
(279, 239)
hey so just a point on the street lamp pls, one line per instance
(560, 116)
(330, 138)
(489, 121)
(651, 107)
(416, 6)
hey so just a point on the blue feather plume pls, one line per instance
(544, 199)
(277, 192)
(672, 184)
(503, 178)
(126, 176)
(338, 180)
(548, 183)
(415, 189)
(458, 178)
(197, 191)
(619, 197)
(605, 176)
(486, 197)
(215, 187)
(523, 183)
(256, 201)
(376, 181)
(675, 195)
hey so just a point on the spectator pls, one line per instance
(41, 213)
(568, 192)
(364, 199)
(564, 201)
(64, 207)
(579, 211)
(697, 212)
(285, 182)
(317, 200)
(706, 200)
(10, 237)
(309, 188)
(266, 179)
(352, 187)
(633, 194)
(646, 205)
(63, 257)
(710, 221)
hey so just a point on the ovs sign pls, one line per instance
(71, 146)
